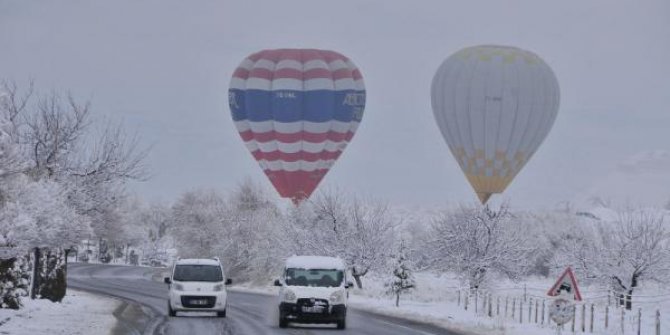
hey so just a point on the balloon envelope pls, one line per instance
(494, 106)
(296, 110)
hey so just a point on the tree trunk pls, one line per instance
(633, 285)
(357, 278)
(397, 299)
(54, 285)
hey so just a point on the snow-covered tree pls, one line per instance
(331, 223)
(477, 241)
(198, 217)
(622, 254)
(49, 154)
(12, 160)
(244, 230)
(255, 250)
(544, 232)
(37, 215)
(403, 276)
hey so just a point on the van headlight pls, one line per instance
(337, 298)
(218, 287)
(289, 296)
(178, 287)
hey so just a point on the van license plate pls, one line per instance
(199, 302)
(314, 309)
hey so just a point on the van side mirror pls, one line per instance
(277, 282)
(167, 280)
(229, 281)
(349, 285)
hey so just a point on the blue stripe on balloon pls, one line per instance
(236, 101)
(292, 106)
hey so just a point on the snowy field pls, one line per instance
(79, 314)
(436, 301)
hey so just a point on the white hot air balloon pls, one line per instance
(494, 106)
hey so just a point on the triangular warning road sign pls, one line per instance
(566, 283)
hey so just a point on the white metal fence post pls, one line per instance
(609, 297)
(490, 306)
(506, 304)
(525, 295)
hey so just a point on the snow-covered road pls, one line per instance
(248, 313)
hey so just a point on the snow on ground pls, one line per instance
(436, 301)
(79, 313)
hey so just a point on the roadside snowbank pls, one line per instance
(79, 313)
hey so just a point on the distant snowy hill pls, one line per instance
(641, 180)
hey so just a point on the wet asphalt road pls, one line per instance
(248, 313)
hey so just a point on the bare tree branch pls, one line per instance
(115, 156)
(15, 103)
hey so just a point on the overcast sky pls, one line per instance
(163, 68)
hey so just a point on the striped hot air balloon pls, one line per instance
(494, 106)
(296, 110)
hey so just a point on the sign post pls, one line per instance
(566, 292)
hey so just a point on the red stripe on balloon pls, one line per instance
(357, 74)
(287, 73)
(295, 184)
(241, 73)
(343, 74)
(295, 137)
(318, 73)
(295, 156)
(298, 55)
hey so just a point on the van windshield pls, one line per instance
(314, 277)
(187, 272)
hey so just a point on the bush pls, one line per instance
(53, 284)
(14, 274)
(106, 258)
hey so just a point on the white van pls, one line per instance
(313, 290)
(197, 285)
